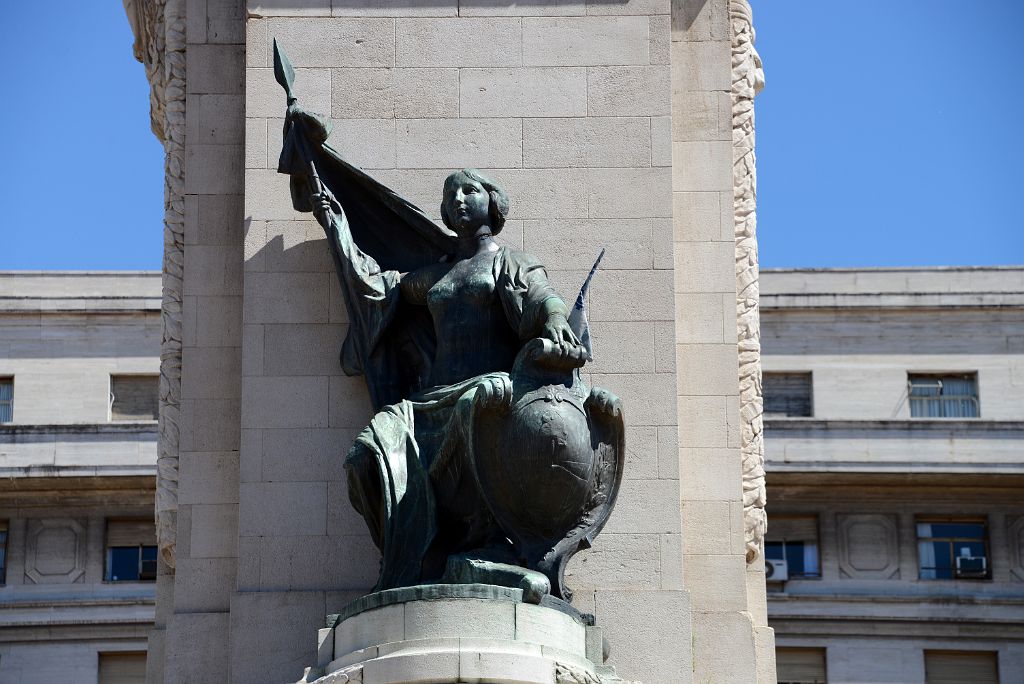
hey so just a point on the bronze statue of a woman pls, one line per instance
(488, 459)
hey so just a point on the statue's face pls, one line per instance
(468, 204)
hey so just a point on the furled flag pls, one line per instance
(578, 316)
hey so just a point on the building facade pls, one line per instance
(894, 403)
(894, 421)
(79, 358)
(626, 124)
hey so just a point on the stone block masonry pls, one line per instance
(562, 110)
(575, 107)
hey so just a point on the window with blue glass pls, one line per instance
(794, 540)
(6, 400)
(953, 548)
(131, 551)
(943, 396)
(3, 551)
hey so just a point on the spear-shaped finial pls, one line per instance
(284, 72)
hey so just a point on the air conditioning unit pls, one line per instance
(775, 570)
(971, 566)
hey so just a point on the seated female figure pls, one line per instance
(505, 457)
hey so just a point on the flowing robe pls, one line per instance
(411, 470)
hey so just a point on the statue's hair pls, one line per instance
(497, 208)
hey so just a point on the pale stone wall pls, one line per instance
(869, 610)
(62, 335)
(58, 611)
(194, 601)
(898, 659)
(611, 125)
(711, 464)
(895, 321)
(867, 470)
(65, 468)
(567, 104)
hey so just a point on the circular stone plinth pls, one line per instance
(455, 633)
(433, 592)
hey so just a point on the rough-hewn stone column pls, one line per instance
(747, 81)
(712, 424)
(159, 28)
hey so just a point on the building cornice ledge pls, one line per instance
(148, 427)
(811, 427)
(891, 300)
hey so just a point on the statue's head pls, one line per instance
(471, 200)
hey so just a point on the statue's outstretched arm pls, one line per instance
(354, 266)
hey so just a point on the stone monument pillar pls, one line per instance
(612, 125)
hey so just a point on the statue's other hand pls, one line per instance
(557, 330)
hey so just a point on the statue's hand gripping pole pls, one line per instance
(284, 73)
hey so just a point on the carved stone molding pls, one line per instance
(55, 551)
(747, 81)
(868, 546)
(159, 28)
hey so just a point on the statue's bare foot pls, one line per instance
(465, 569)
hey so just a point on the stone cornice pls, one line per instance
(891, 300)
(936, 427)
(142, 427)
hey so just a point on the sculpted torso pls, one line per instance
(473, 334)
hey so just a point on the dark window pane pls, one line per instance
(969, 549)
(122, 668)
(134, 397)
(148, 563)
(795, 557)
(6, 400)
(787, 394)
(958, 530)
(124, 564)
(774, 550)
(943, 560)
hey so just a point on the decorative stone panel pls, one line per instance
(55, 551)
(868, 546)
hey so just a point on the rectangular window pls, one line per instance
(943, 396)
(794, 539)
(6, 400)
(122, 668)
(787, 394)
(131, 551)
(957, 667)
(953, 548)
(800, 665)
(3, 552)
(134, 397)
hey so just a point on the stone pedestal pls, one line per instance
(459, 633)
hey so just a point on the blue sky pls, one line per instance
(81, 177)
(889, 134)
